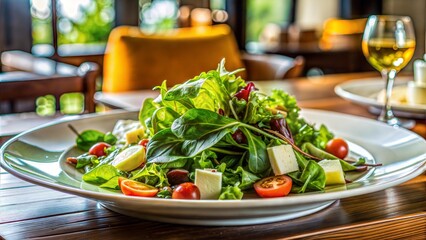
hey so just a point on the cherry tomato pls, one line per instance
(72, 160)
(338, 147)
(186, 190)
(99, 149)
(134, 188)
(120, 179)
(245, 92)
(275, 186)
(143, 143)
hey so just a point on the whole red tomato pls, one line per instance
(99, 149)
(338, 147)
(186, 190)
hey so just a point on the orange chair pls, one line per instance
(342, 33)
(135, 60)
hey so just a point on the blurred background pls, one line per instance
(326, 33)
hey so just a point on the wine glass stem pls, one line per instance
(387, 114)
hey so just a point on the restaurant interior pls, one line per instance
(64, 60)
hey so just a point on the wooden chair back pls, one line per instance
(272, 66)
(28, 77)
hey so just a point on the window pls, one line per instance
(262, 13)
(78, 22)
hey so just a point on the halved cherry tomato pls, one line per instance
(338, 147)
(186, 190)
(134, 188)
(72, 160)
(120, 179)
(99, 149)
(276, 186)
(143, 143)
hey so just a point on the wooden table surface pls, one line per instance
(30, 211)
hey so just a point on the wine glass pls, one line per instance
(388, 44)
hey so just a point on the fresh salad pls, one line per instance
(215, 137)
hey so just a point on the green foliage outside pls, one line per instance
(42, 31)
(94, 27)
(70, 103)
(261, 12)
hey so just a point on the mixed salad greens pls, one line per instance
(223, 134)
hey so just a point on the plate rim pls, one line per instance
(208, 204)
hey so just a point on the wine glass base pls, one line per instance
(396, 122)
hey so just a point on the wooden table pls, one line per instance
(30, 211)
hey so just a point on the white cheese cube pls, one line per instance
(209, 183)
(333, 172)
(282, 159)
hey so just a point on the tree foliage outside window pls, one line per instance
(41, 14)
(79, 21)
(261, 12)
(84, 21)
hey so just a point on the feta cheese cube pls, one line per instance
(282, 159)
(209, 183)
(333, 172)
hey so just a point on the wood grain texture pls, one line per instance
(37, 212)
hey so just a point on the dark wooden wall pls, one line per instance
(15, 25)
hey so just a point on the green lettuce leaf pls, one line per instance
(151, 174)
(312, 178)
(101, 174)
(231, 193)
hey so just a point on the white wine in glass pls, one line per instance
(388, 44)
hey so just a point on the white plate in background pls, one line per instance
(365, 92)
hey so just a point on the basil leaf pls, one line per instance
(312, 178)
(162, 118)
(88, 138)
(101, 174)
(112, 183)
(164, 147)
(145, 114)
(110, 138)
(258, 160)
(189, 89)
(197, 123)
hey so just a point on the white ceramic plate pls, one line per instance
(37, 156)
(365, 92)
